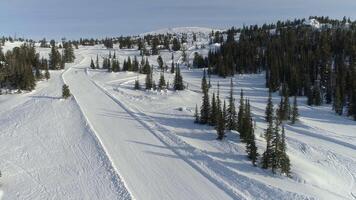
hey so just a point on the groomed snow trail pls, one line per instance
(149, 168)
(49, 152)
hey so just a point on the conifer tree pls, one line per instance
(55, 58)
(97, 62)
(240, 114)
(178, 80)
(251, 147)
(275, 158)
(220, 127)
(172, 66)
(160, 62)
(284, 159)
(137, 84)
(65, 91)
(205, 107)
(162, 82)
(149, 81)
(92, 65)
(267, 155)
(213, 111)
(269, 109)
(295, 112)
(231, 111)
(47, 75)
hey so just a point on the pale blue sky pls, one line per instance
(100, 18)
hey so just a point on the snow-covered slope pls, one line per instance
(177, 30)
(48, 151)
(113, 142)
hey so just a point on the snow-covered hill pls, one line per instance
(113, 142)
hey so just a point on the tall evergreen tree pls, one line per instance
(240, 114)
(295, 112)
(205, 107)
(231, 111)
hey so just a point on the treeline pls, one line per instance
(315, 62)
(22, 66)
(17, 68)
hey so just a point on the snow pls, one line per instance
(113, 142)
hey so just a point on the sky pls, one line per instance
(100, 18)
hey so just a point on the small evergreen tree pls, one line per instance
(92, 65)
(162, 82)
(47, 75)
(137, 84)
(65, 91)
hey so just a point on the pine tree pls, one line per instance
(47, 74)
(92, 65)
(65, 91)
(269, 109)
(162, 82)
(178, 80)
(232, 117)
(213, 111)
(275, 159)
(55, 58)
(240, 114)
(267, 155)
(149, 81)
(97, 62)
(284, 159)
(251, 147)
(160, 62)
(220, 127)
(295, 112)
(205, 107)
(137, 84)
(172, 65)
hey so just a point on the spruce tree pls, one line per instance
(295, 112)
(275, 158)
(240, 114)
(213, 111)
(231, 111)
(267, 155)
(92, 65)
(220, 127)
(137, 84)
(47, 74)
(97, 62)
(65, 91)
(172, 65)
(284, 159)
(162, 82)
(178, 80)
(269, 109)
(251, 147)
(205, 107)
(149, 81)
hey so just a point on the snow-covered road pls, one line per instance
(149, 168)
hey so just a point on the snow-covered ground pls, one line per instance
(113, 142)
